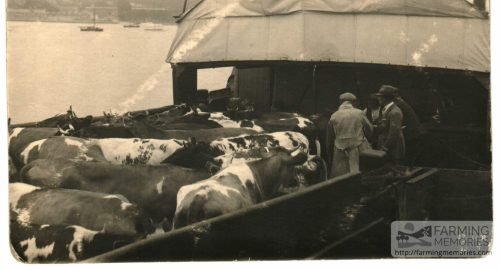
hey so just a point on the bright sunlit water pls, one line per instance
(51, 66)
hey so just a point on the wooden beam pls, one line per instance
(185, 83)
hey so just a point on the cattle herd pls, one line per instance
(79, 187)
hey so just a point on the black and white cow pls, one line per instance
(288, 140)
(115, 150)
(153, 188)
(192, 119)
(142, 129)
(69, 120)
(284, 121)
(138, 151)
(199, 154)
(96, 211)
(238, 186)
(227, 122)
(61, 243)
(99, 132)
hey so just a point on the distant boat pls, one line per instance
(132, 25)
(91, 28)
(154, 27)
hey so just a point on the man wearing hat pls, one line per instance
(345, 135)
(412, 129)
(391, 138)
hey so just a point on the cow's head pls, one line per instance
(277, 169)
(311, 172)
(194, 155)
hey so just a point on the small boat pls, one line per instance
(91, 28)
(154, 27)
(132, 25)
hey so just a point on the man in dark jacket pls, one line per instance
(391, 139)
(412, 129)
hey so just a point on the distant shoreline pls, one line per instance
(87, 22)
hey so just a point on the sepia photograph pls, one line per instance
(247, 130)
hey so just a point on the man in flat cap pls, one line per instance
(346, 132)
(391, 139)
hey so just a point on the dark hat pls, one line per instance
(387, 91)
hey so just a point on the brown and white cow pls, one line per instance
(96, 211)
(60, 147)
(20, 138)
(153, 188)
(313, 169)
(61, 243)
(237, 187)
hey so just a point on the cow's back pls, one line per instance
(153, 188)
(21, 137)
(91, 210)
(138, 151)
(61, 148)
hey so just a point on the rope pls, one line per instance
(460, 155)
(325, 168)
(464, 157)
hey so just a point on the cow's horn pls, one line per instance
(296, 151)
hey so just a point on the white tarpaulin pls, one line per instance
(439, 33)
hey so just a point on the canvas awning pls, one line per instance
(450, 34)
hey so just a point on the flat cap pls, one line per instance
(347, 97)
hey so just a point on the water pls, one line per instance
(51, 66)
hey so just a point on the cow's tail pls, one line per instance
(318, 147)
(180, 219)
(325, 169)
(191, 213)
(24, 173)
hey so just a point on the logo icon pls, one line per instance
(409, 236)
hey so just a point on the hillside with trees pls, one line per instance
(161, 11)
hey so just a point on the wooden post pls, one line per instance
(185, 82)
(415, 196)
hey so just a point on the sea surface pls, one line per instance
(51, 66)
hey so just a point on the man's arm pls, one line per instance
(367, 127)
(330, 141)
